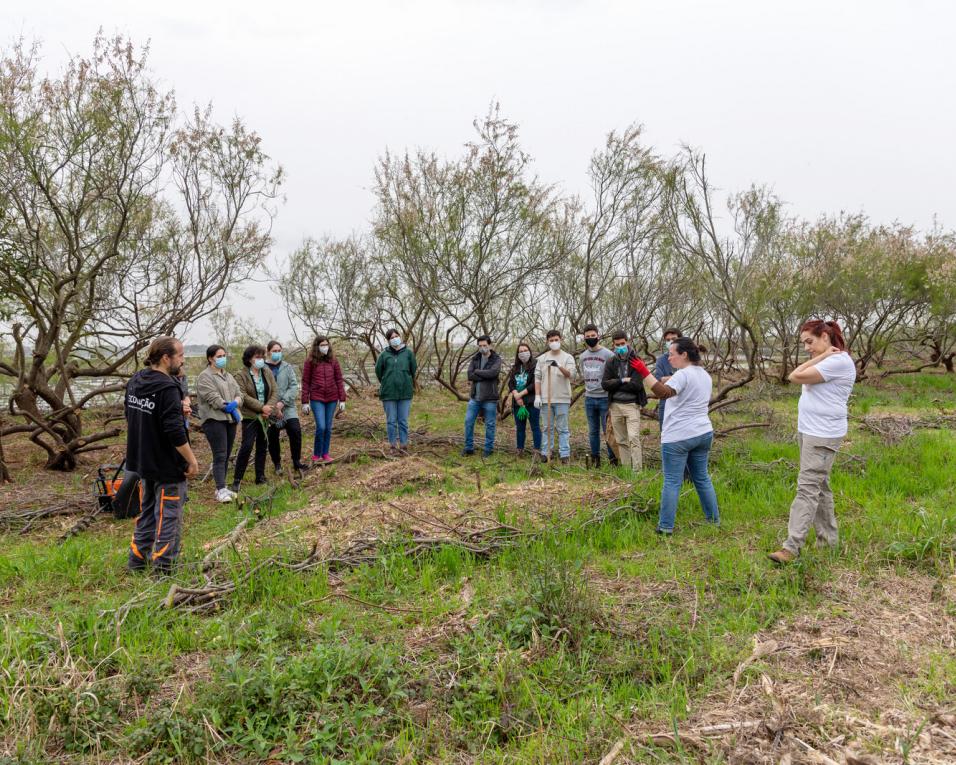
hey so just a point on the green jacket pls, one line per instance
(395, 371)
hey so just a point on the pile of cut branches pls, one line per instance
(24, 516)
(482, 537)
(893, 428)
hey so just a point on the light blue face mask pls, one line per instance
(259, 363)
(276, 357)
(395, 342)
(221, 362)
(621, 350)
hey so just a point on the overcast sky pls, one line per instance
(836, 105)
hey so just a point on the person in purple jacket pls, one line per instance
(323, 392)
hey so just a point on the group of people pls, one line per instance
(262, 399)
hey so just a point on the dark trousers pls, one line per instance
(221, 435)
(294, 429)
(253, 435)
(158, 527)
(534, 422)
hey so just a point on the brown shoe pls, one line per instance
(565, 460)
(782, 556)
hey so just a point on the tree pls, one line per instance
(615, 239)
(940, 330)
(121, 223)
(872, 279)
(347, 289)
(730, 266)
(467, 238)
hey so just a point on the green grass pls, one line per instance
(541, 661)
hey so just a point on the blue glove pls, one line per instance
(233, 408)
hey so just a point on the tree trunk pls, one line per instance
(5, 476)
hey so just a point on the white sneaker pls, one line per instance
(224, 495)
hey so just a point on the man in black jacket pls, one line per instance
(483, 372)
(158, 450)
(626, 396)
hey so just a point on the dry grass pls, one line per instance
(833, 686)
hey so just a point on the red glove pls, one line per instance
(640, 367)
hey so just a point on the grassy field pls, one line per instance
(565, 631)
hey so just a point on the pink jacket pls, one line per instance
(322, 382)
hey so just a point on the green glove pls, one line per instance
(522, 413)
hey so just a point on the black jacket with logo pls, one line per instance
(619, 392)
(155, 426)
(483, 373)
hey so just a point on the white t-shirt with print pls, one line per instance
(685, 415)
(822, 409)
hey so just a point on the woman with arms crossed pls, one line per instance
(827, 380)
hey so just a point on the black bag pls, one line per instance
(120, 496)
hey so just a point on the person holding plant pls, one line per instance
(827, 380)
(521, 390)
(259, 397)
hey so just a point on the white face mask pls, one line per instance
(524, 356)
(395, 342)
(323, 349)
(555, 345)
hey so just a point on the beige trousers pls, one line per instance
(813, 505)
(626, 424)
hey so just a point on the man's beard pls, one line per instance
(174, 371)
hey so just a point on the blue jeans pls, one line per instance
(691, 453)
(534, 419)
(490, 410)
(596, 411)
(396, 420)
(559, 423)
(322, 412)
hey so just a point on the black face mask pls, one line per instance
(590, 342)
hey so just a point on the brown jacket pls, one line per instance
(251, 406)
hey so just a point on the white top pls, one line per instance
(685, 415)
(822, 407)
(555, 387)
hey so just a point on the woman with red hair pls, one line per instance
(827, 380)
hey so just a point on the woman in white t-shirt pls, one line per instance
(827, 380)
(686, 433)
